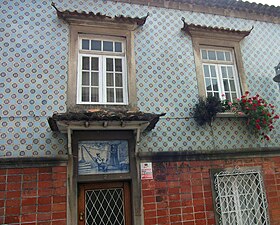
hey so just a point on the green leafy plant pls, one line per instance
(260, 115)
(205, 110)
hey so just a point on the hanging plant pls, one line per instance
(260, 115)
(205, 110)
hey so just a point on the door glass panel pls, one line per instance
(105, 206)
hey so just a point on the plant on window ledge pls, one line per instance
(260, 115)
(205, 110)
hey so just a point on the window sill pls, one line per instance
(229, 115)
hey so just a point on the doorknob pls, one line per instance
(81, 216)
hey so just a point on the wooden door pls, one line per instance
(104, 204)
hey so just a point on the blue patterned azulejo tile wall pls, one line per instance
(34, 52)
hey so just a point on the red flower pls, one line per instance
(258, 126)
(276, 117)
(246, 92)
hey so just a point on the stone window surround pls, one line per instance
(106, 29)
(212, 39)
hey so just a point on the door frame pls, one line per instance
(133, 177)
(107, 185)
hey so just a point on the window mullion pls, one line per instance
(220, 81)
(103, 85)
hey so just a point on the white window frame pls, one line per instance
(102, 55)
(258, 210)
(218, 64)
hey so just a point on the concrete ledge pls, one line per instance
(32, 162)
(201, 155)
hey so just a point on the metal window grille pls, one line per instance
(105, 206)
(240, 198)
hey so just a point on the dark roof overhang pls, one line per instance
(104, 120)
(75, 16)
(202, 31)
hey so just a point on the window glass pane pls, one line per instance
(110, 95)
(209, 94)
(110, 79)
(234, 96)
(228, 96)
(224, 71)
(215, 85)
(94, 63)
(208, 84)
(204, 54)
(85, 63)
(94, 79)
(213, 71)
(118, 65)
(108, 46)
(216, 94)
(85, 44)
(95, 45)
(230, 72)
(94, 95)
(226, 86)
(118, 81)
(85, 94)
(221, 56)
(118, 47)
(212, 55)
(227, 54)
(119, 95)
(232, 85)
(206, 71)
(109, 64)
(85, 78)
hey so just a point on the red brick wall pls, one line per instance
(181, 193)
(33, 196)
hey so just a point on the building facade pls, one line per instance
(97, 121)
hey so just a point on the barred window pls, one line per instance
(240, 198)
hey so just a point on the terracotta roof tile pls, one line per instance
(103, 115)
(237, 5)
(66, 14)
(195, 27)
